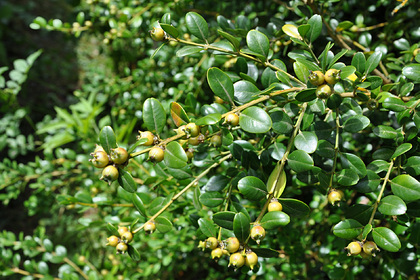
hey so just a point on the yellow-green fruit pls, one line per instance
(257, 233)
(149, 136)
(109, 174)
(274, 206)
(149, 227)
(112, 241)
(416, 52)
(156, 154)
(232, 119)
(316, 78)
(332, 76)
(218, 100)
(216, 253)
(190, 153)
(251, 259)
(323, 91)
(192, 129)
(354, 248)
(157, 34)
(100, 159)
(369, 247)
(335, 196)
(232, 244)
(127, 236)
(236, 260)
(122, 230)
(212, 243)
(195, 141)
(119, 155)
(121, 247)
(216, 140)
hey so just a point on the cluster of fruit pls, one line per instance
(110, 163)
(120, 243)
(365, 249)
(324, 82)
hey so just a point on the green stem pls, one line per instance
(193, 183)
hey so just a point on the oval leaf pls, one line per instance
(292, 31)
(221, 84)
(356, 123)
(138, 203)
(406, 187)
(255, 120)
(392, 205)
(386, 239)
(197, 25)
(154, 115)
(306, 141)
(107, 139)
(241, 225)
(175, 156)
(178, 114)
(163, 224)
(300, 161)
(126, 181)
(294, 207)
(412, 72)
(252, 188)
(211, 199)
(224, 219)
(348, 229)
(209, 119)
(275, 219)
(207, 227)
(258, 42)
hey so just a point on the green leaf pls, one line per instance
(255, 120)
(355, 163)
(282, 123)
(178, 114)
(348, 229)
(356, 123)
(347, 177)
(266, 252)
(385, 132)
(209, 119)
(207, 227)
(275, 219)
(359, 61)
(392, 205)
(258, 42)
(394, 104)
(138, 204)
(211, 199)
(197, 25)
(175, 156)
(277, 181)
(413, 165)
(216, 183)
(300, 161)
(170, 29)
(402, 149)
(154, 115)
(157, 50)
(241, 226)
(163, 225)
(306, 95)
(412, 72)
(188, 50)
(113, 229)
(235, 42)
(252, 188)
(245, 91)
(107, 139)
(294, 207)
(406, 187)
(292, 31)
(325, 149)
(386, 239)
(316, 27)
(301, 71)
(366, 230)
(224, 219)
(133, 253)
(221, 84)
(126, 181)
(373, 62)
(306, 141)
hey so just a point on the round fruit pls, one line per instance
(149, 136)
(192, 129)
(236, 260)
(119, 155)
(232, 119)
(127, 236)
(316, 78)
(369, 247)
(251, 259)
(218, 100)
(354, 248)
(232, 244)
(257, 233)
(109, 174)
(416, 52)
(216, 253)
(122, 230)
(98, 148)
(100, 159)
(216, 140)
(274, 206)
(149, 227)
(156, 154)
(190, 153)
(335, 196)
(122, 247)
(195, 141)
(323, 91)
(212, 243)
(332, 76)
(157, 34)
(113, 240)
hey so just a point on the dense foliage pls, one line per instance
(226, 140)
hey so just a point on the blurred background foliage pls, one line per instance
(86, 64)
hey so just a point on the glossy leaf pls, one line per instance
(366, 230)
(175, 156)
(282, 123)
(245, 91)
(113, 229)
(252, 188)
(392, 205)
(178, 114)
(207, 227)
(356, 123)
(316, 27)
(274, 219)
(412, 72)
(163, 225)
(373, 61)
(255, 120)
(108, 139)
(347, 177)
(406, 187)
(209, 119)
(385, 132)
(211, 199)
(266, 252)
(169, 29)
(348, 229)
(133, 253)
(138, 204)
(217, 183)
(221, 84)
(154, 115)
(300, 161)
(386, 239)
(359, 61)
(258, 42)
(126, 181)
(294, 207)
(292, 31)
(197, 25)
(306, 95)
(402, 149)
(413, 165)
(394, 104)
(355, 163)
(188, 50)
(224, 219)
(301, 71)
(241, 226)
(235, 42)
(277, 181)
(306, 141)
